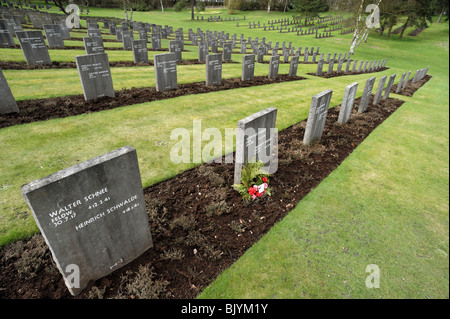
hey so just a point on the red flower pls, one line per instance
(251, 191)
(264, 179)
(258, 194)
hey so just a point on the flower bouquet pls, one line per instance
(254, 181)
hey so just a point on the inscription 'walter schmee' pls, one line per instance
(92, 214)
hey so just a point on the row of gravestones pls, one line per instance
(93, 215)
(374, 66)
(217, 19)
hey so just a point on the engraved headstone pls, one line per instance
(293, 66)
(380, 88)
(364, 102)
(202, 51)
(320, 67)
(95, 75)
(92, 216)
(317, 117)
(214, 69)
(400, 84)
(347, 103)
(165, 71)
(175, 47)
(93, 45)
(33, 47)
(140, 52)
(94, 33)
(127, 39)
(6, 38)
(7, 102)
(227, 51)
(54, 35)
(156, 41)
(406, 80)
(257, 140)
(387, 91)
(273, 66)
(248, 67)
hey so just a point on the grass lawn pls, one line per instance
(387, 204)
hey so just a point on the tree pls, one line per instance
(441, 6)
(62, 4)
(419, 13)
(309, 8)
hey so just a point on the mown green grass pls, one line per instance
(387, 204)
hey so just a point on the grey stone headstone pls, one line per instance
(95, 75)
(64, 30)
(360, 66)
(347, 65)
(227, 51)
(365, 66)
(317, 117)
(380, 88)
(347, 103)
(364, 102)
(214, 69)
(93, 45)
(400, 84)
(387, 91)
(293, 66)
(330, 67)
(339, 68)
(33, 47)
(257, 140)
(165, 71)
(175, 47)
(202, 51)
(94, 33)
(274, 66)
(248, 67)
(406, 80)
(54, 35)
(156, 41)
(127, 39)
(7, 102)
(6, 38)
(243, 47)
(140, 52)
(92, 215)
(354, 66)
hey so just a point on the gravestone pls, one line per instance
(54, 35)
(293, 66)
(156, 41)
(95, 75)
(7, 102)
(127, 39)
(140, 52)
(364, 102)
(227, 51)
(165, 71)
(94, 33)
(257, 140)
(330, 67)
(339, 68)
(387, 91)
(406, 80)
(400, 84)
(320, 67)
(202, 51)
(64, 30)
(380, 88)
(93, 45)
(175, 47)
(92, 216)
(6, 38)
(273, 67)
(214, 69)
(33, 47)
(248, 67)
(347, 103)
(317, 117)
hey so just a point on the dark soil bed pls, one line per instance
(199, 233)
(12, 65)
(335, 74)
(59, 107)
(411, 87)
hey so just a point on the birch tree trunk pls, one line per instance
(162, 7)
